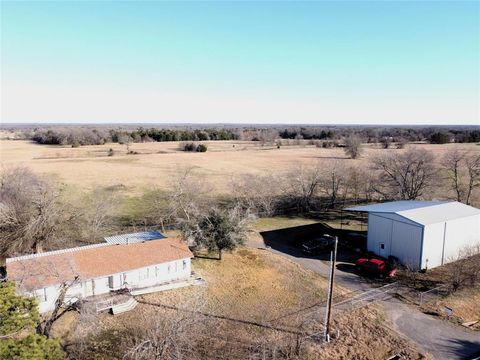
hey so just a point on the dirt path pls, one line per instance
(440, 339)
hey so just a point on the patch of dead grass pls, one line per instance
(363, 334)
(465, 304)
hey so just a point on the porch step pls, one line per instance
(126, 306)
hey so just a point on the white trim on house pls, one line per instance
(55, 252)
(145, 277)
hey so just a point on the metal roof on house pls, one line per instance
(134, 237)
(422, 212)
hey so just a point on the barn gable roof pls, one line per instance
(422, 212)
(89, 262)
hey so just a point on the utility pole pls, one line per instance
(333, 259)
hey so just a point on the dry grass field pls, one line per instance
(157, 164)
(465, 304)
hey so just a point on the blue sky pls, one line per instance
(353, 62)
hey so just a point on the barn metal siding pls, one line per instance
(379, 230)
(407, 243)
(461, 234)
(433, 245)
(402, 238)
(422, 233)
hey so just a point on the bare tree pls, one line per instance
(62, 306)
(353, 146)
(463, 173)
(472, 163)
(257, 193)
(358, 184)
(302, 184)
(452, 163)
(31, 212)
(332, 182)
(188, 195)
(464, 268)
(267, 136)
(64, 274)
(99, 209)
(169, 334)
(404, 176)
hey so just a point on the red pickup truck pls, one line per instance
(376, 267)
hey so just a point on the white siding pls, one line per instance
(379, 230)
(433, 245)
(139, 278)
(407, 243)
(444, 241)
(402, 238)
(48, 303)
(460, 234)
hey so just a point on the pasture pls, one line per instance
(157, 164)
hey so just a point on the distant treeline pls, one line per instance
(304, 133)
(91, 135)
(369, 134)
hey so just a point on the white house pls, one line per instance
(140, 264)
(422, 234)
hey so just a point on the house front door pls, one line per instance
(89, 288)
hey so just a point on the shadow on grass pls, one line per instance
(222, 317)
(206, 256)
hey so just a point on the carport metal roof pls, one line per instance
(134, 237)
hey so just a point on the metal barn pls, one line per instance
(421, 234)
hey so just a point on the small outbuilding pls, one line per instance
(421, 234)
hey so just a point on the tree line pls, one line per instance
(77, 136)
(87, 136)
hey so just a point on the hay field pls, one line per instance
(156, 164)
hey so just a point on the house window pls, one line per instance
(110, 282)
(184, 264)
(144, 273)
(382, 246)
(156, 271)
(41, 295)
(169, 268)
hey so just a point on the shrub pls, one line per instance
(33, 347)
(201, 148)
(188, 147)
(193, 147)
(353, 146)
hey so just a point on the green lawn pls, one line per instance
(280, 222)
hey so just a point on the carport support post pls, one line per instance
(333, 259)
